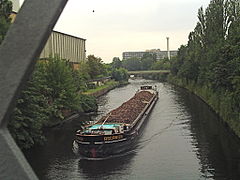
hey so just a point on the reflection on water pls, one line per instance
(106, 169)
(217, 149)
(183, 139)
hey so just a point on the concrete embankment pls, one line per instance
(103, 91)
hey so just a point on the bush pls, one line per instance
(51, 93)
(120, 74)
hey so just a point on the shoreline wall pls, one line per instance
(107, 89)
(103, 91)
(219, 103)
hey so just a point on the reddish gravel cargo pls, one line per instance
(129, 110)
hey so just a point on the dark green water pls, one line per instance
(182, 140)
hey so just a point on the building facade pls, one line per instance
(66, 46)
(139, 54)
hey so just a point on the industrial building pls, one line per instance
(65, 46)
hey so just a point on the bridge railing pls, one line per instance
(18, 53)
(149, 72)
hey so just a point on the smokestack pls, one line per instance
(168, 52)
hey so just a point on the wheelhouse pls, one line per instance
(103, 129)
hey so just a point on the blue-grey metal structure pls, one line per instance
(18, 53)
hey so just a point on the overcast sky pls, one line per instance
(116, 26)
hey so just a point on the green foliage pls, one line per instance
(80, 79)
(210, 60)
(84, 70)
(132, 64)
(31, 112)
(120, 74)
(163, 64)
(148, 60)
(116, 63)
(108, 85)
(5, 21)
(51, 94)
(63, 94)
(88, 103)
(95, 67)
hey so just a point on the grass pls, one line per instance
(111, 83)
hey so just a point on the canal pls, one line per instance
(182, 140)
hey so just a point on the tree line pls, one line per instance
(147, 62)
(210, 62)
(53, 92)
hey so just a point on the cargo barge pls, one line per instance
(118, 131)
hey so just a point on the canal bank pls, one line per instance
(101, 90)
(220, 103)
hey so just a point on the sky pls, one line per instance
(116, 26)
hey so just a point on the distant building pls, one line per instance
(139, 54)
(162, 54)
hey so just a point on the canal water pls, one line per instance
(182, 140)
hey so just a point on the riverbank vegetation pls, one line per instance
(55, 91)
(108, 84)
(147, 62)
(209, 65)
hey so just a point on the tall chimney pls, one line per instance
(168, 52)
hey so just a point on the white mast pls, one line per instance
(168, 52)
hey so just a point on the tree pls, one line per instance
(5, 20)
(32, 111)
(148, 60)
(80, 80)
(178, 62)
(120, 74)
(95, 66)
(163, 64)
(211, 59)
(132, 64)
(63, 94)
(84, 70)
(116, 63)
(50, 95)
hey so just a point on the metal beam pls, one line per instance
(18, 53)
